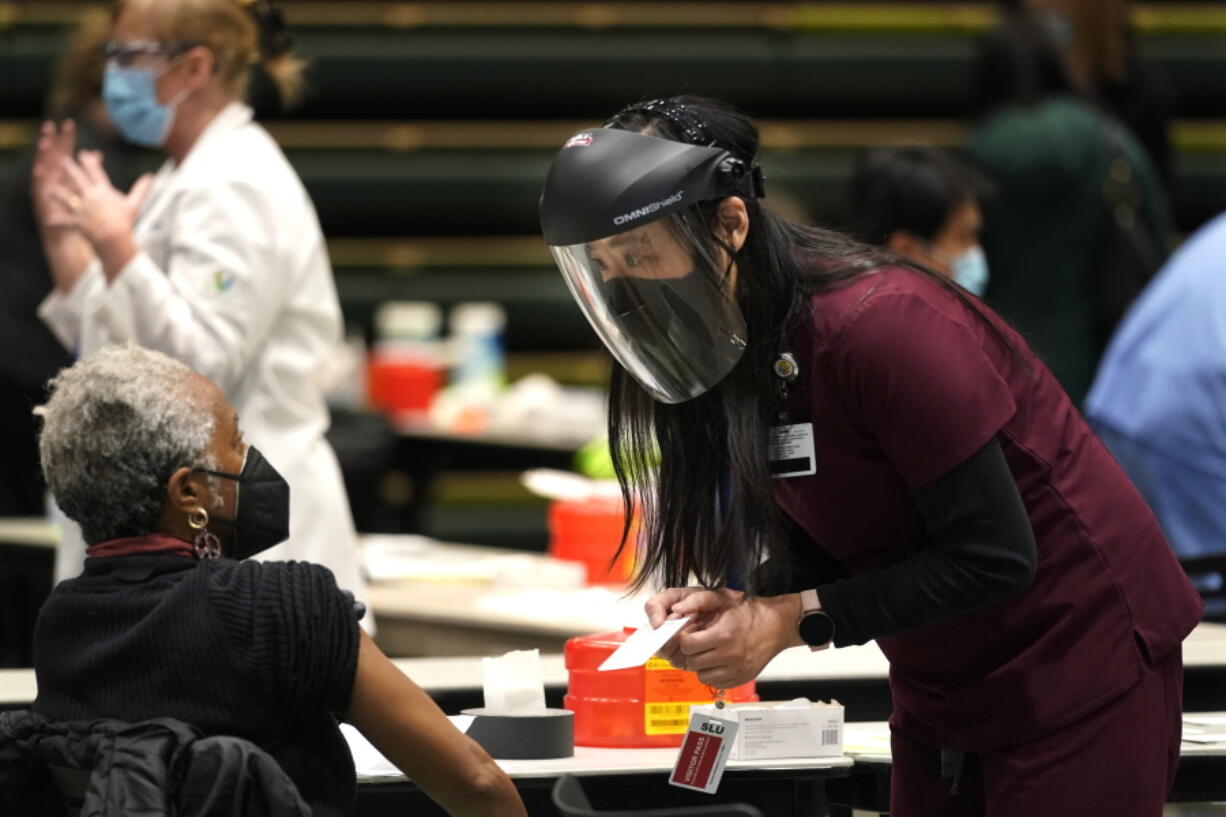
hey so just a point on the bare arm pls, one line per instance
(411, 731)
(68, 255)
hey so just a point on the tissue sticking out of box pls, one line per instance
(514, 724)
(513, 683)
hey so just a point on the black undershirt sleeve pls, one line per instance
(804, 565)
(982, 551)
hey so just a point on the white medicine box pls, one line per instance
(778, 729)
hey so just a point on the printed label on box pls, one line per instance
(768, 732)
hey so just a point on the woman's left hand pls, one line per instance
(103, 214)
(734, 646)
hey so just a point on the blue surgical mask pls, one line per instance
(132, 103)
(970, 270)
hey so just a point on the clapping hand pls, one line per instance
(55, 145)
(85, 199)
(81, 197)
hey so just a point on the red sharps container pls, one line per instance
(646, 706)
(589, 531)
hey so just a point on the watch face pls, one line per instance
(817, 628)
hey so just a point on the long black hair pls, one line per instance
(670, 459)
(723, 433)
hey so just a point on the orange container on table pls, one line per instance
(646, 706)
(403, 383)
(589, 531)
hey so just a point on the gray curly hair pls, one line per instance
(116, 426)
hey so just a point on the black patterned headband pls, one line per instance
(683, 119)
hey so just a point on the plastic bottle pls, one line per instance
(477, 356)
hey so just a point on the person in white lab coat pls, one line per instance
(217, 260)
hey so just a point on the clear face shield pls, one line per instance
(660, 297)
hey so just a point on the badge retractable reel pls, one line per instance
(791, 449)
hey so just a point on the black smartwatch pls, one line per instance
(816, 626)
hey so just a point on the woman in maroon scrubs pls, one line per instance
(865, 451)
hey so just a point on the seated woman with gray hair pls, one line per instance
(166, 621)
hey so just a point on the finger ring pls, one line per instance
(75, 202)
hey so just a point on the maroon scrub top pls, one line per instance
(902, 382)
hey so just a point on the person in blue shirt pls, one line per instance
(1159, 399)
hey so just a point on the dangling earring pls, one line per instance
(208, 546)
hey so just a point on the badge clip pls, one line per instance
(787, 370)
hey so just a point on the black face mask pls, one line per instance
(262, 517)
(652, 309)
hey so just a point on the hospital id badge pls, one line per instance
(704, 752)
(791, 451)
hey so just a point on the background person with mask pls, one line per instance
(218, 260)
(871, 453)
(922, 204)
(1080, 220)
(148, 457)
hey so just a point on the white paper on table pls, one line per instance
(592, 609)
(462, 722)
(1197, 719)
(1207, 737)
(370, 762)
(367, 760)
(642, 644)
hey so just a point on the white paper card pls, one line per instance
(642, 644)
(791, 451)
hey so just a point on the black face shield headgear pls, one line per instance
(614, 213)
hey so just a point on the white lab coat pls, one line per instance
(233, 279)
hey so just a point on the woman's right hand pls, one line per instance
(703, 606)
(69, 252)
(676, 602)
(55, 146)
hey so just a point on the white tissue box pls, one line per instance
(776, 729)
